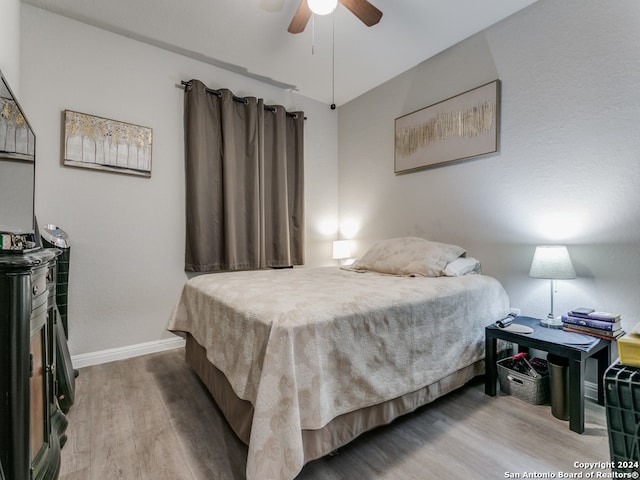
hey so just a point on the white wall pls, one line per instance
(126, 232)
(569, 146)
(568, 170)
(10, 43)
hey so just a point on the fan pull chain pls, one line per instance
(333, 61)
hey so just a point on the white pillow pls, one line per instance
(408, 256)
(462, 266)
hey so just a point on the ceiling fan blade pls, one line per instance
(362, 9)
(300, 18)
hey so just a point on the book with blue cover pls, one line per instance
(593, 315)
(594, 332)
(592, 323)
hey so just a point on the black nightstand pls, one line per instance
(574, 346)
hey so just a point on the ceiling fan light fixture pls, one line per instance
(322, 7)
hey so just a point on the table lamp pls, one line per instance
(552, 262)
(341, 249)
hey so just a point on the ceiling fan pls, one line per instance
(362, 9)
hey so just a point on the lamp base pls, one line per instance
(551, 322)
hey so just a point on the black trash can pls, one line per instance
(54, 237)
(559, 385)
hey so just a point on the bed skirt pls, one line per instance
(339, 431)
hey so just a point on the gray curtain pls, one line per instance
(244, 182)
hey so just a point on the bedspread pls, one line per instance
(306, 345)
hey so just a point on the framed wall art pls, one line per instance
(464, 126)
(105, 144)
(16, 137)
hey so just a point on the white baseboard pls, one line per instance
(120, 353)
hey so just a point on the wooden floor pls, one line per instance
(150, 418)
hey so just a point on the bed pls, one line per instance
(303, 360)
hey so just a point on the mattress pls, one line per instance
(305, 346)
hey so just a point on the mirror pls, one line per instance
(17, 173)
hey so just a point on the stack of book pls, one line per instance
(598, 324)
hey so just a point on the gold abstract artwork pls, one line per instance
(15, 135)
(470, 123)
(461, 127)
(104, 144)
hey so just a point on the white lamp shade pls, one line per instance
(552, 262)
(341, 249)
(322, 7)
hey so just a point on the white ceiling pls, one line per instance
(250, 36)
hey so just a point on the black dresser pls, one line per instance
(31, 420)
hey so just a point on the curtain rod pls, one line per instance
(237, 99)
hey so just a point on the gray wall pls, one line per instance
(127, 232)
(567, 172)
(10, 43)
